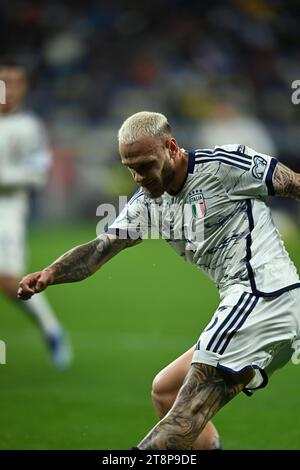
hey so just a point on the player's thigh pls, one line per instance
(12, 249)
(170, 379)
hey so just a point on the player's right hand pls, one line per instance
(34, 283)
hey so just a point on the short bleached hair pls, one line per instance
(142, 124)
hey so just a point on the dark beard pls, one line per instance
(168, 175)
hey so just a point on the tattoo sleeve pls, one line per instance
(286, 182)
(83, 260)
(204, 392)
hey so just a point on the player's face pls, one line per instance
(150, 164)
(16, 86)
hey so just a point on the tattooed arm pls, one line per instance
(75, 265)
(286, 182)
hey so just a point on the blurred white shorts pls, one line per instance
(254, 332)
(12, 247)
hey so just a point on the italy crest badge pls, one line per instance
(197, 202)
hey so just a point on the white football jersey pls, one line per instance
(226, 228)
(24, 160)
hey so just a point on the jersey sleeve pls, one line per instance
(244, 172)
(133, 221)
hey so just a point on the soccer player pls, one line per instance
(223, 192)
(24, 164)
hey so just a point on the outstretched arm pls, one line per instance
(286, 182)
(75, 265)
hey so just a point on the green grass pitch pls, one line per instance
(143, 309)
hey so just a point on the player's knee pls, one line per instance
(162, 397)
(209, 438)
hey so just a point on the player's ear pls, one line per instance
(172, 146)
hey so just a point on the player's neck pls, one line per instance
(180, 175)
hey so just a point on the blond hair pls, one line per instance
(142, 124)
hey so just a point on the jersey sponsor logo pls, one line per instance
(197, 201)
(260, 164)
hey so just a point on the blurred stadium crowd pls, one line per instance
(221, 71)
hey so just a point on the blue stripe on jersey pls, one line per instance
(232, 158)
(248, 261)
(242, 311)
(222, 160)
(239, 325)
(191, 162)
(246, 390)
(248, 245)
(269, 177)
(229, 152)
(136, 195)
(211, 326)
(226, 320)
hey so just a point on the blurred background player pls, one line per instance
(24, 163)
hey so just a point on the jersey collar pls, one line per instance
(191, 163)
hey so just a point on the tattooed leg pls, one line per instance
(165, 388)
(205, 390)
